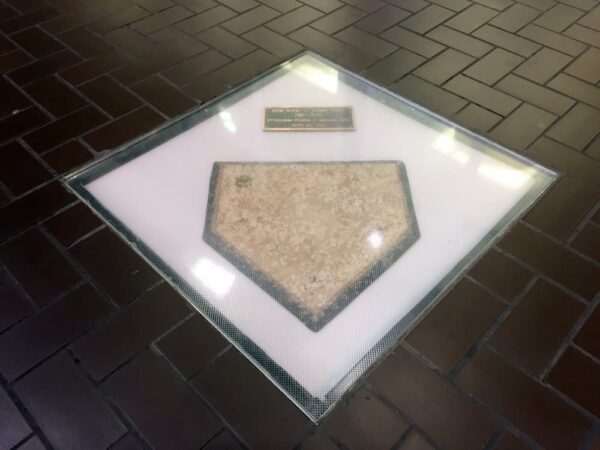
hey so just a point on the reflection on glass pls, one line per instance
(228, 121)
(213, 276)
(324, 77)
(504, 175)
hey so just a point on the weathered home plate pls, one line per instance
(312, 235)
(311, 216)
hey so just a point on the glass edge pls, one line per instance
(315, 410)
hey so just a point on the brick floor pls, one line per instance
(96, 352)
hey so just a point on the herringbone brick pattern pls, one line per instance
(96, 351)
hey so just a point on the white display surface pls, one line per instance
(459, 194)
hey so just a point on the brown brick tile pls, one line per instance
(118, 19)
(19, 171)
(19, 123)
(319, 442)
(273, 42)
(578, 376)
(43, 333)
(588, 241)
(575, 88)
(454, 422)
(382, 19)
(543, 65)
(130, 331)
(583, 34)
(444, 66)
(507, 41)
(525, 403)
(501, 274)
(26, 6)
(110, 96)
(116, 267)
(163, 96)
(542, 5)
(173, 416)
(55, 96)
(14, 426)
(92, 68)
(155, 6)
(58, 393)
(33, 207)
(64, 129)
(553, 40)
(226, 42)
(366, 423)
(448, 331)
(365, 41)
(588, 337)
(85, 42)
(493, 66)
(569, 161)
(455, 5)
(123, 129)
(587, 66)
(393, 67)
(13, 60)
(590, 20)
(129, 442)
(339, 19)
(245, 67)
(37, 42)
(282, 6)
(27, 20)
(553, 260)
(43, 67)
(427, 19)
(178, 42)
(223, 441)
(192, 345)
(522, 127)
(325, 5)
(482, 94)
(535, 94)
(471, 18)
(412, 41)
(531, 343)
(459, 41)
(72, 224)
(562, 208)
(146, 66)
(73, 19)
(206, 20)
(195, 67)
(67, 157)
(13, 308)
(477, 118)
(205, 88)
(578, 127)
(251, 404)
(161, 20)
(251, 19)
(429, 95)
(7, 13)
(130, 41)
(415, 441)
(6, 45)
(515, 17)
(38, 266)
(367, 5)
(240, 5)
(559, 17)
(294, 19)
(12, 99)
(510, 442)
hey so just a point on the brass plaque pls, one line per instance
(309, 118)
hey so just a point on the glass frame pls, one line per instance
(315, 408)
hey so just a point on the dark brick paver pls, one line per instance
(97, 352)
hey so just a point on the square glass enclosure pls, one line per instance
(311, 216)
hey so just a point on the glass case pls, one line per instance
(311, 216)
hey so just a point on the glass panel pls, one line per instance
(311, 216)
